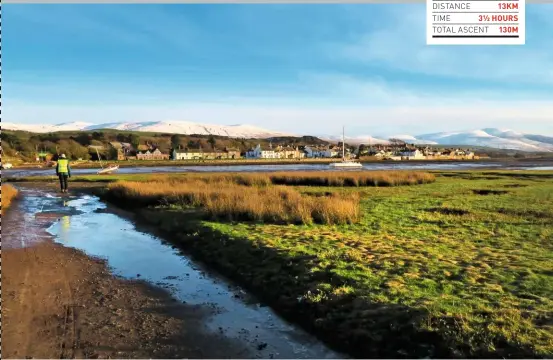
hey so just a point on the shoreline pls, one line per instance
(186, 163)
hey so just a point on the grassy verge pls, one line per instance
(462, 267)
(8, 194)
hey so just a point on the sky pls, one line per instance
(304, 69)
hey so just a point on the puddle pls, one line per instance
(85, 223)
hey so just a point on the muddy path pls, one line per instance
(81, 281)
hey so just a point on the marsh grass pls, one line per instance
(267, 197)
(427, 269)
(355, 179)
(8, 194)
(234, 202)
(305, 178)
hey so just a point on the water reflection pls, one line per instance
(65, 222)
(131, 254)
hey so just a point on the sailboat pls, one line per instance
(108, 169)
(346, 163)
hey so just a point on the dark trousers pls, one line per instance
(63, 181)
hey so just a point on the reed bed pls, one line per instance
(8, 194)
(330, 179)
(358, 178)
(229, 200)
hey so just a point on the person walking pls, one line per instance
(63, 171)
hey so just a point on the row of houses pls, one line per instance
(196, 154)
(125, 151)
(299, 152)
(422, 154)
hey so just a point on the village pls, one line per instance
(395, 151)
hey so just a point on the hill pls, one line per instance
(24, 145)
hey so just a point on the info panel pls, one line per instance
(476, 22)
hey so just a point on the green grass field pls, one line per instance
(462, 267)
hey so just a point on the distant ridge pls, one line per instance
(486, 137)
(170, 127)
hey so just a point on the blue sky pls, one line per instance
(299, 68)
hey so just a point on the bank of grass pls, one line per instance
(462, 267)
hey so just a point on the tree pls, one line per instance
(211, 140)
(175, 141)
(73, 149)
(135, 141)
(113, 153)
(98, 135)
(83, 139)
(11, 139)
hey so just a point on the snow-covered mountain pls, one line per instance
(490, 137)
(356, 140)
(170, 127)
(487, 137)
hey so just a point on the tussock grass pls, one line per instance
(8, 194)
(232, 201)
(304, 178)
(435, 271)
(430, 271)
(330, 179)
(358, 178)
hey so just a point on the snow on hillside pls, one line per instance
(356, 140)
(170, 127)
(495, 138)
(487, 137)
(412, 140)
(44, 128)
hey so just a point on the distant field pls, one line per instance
(459, 267)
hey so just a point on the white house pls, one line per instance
(412, 154)
(187, 154)
(311, 152)
(261, 153)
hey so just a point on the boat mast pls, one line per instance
(343, 143)
(99, 158)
